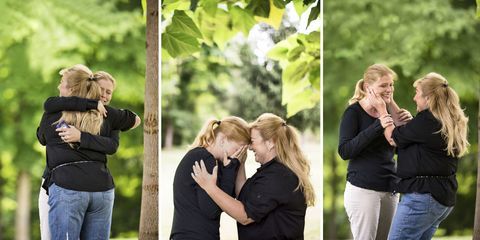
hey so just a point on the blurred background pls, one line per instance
(239, 58)
(413, 38)
(37, 39)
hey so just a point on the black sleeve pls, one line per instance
(207, 206)
(107, 145)
(411, 133)
(268, 193)
(228, 176)
(352, 141)
(58, 104)
(41, 131)
(120, 119)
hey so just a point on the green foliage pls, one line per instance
(413, 38)
(299, 56)
(37, 39)
(214, 24)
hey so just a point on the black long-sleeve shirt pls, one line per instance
(270, 199)
(361, 141)
(424, 165)
(82, 169)
(196, 215)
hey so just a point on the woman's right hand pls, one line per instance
(386, 120)
(201, 176)
(241, 154)
(376, 101)
(101, 108)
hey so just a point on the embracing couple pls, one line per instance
(428, 146)
(211, 178)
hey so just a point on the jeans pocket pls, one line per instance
(109, 195)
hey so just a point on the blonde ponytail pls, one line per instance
(359, 92)
(234, 128)
(444, 104)
(288, 150)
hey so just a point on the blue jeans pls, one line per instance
(417, 217)
(77, 214)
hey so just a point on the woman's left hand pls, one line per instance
(70, 134)
(202, 177)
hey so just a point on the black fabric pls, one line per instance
(83, 168)
(423, 163)
(361, 141)
(196, 215)
(270, 199)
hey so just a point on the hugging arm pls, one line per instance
(227, 203)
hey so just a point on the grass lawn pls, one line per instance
(228, 231)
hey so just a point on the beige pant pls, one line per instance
(43, 209)
(370, 212)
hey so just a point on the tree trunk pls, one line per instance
(149, 209)
(22, 219)
(169, 134)
(332, 222)
(2, 183)
(476, 227)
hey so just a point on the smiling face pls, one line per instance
(420, 100)
(384, 87)
(107, 90)
(262, 149)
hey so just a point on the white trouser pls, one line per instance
(43, 209)
(370, 212)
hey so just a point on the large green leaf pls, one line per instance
(293, 80)
(242, 20)
(305, 100)
(181, 22)
(179, 44)
(210, 7)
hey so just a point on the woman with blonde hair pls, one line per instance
(368, 198)
(272, 203)
(80, 187)
(429, 147)
(220, 142)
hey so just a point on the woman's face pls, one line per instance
(420, 100)
(107, 90)
(384, 88)
(63, 89)
(231, 147)
(259, 146)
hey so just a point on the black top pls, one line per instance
(83, 168)
(270, 199)
(196, 216)
(371, 164)
(423, 163)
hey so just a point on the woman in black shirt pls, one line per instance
(196, 216)
(75, 172)
(428, 150)
(368, 198)
(272, 203)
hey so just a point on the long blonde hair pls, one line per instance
(82, 83)
(444, 104)
(372, 74)
(234, 128)
(287, 147)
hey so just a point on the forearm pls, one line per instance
(228, 204)
(388, 134)
(241, 179)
